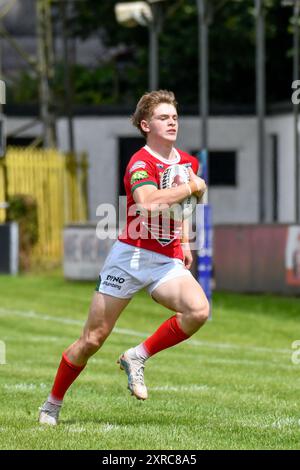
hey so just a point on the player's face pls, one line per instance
(163, 124)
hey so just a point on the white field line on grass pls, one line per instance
(25, 387)
(182, 388)
(30, 387)
(283, 423)
(200, 361)
(286, 422)
(124, 331)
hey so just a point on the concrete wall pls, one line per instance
(230, 205)
(283, 126)
(99, 137)
(257, 258)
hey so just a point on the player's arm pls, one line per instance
(185, 244)
(150, 198)
(185, 237)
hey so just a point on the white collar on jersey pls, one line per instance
(162, 159)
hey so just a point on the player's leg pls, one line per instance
(103, 314)
(184, 296)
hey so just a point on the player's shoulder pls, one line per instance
(189, 160)
(186, 157)
(140, 159)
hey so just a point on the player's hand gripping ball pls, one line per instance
(173, 176)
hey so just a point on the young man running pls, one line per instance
(143, 256)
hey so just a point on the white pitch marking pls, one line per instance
(23, 387)
(124, 331)
(284, 422)
(183, 388)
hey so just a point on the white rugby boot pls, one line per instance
(134, 368)
(49, 413)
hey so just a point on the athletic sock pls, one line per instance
(54, 401)
(65, 376)
(140, 352)
(167, 335)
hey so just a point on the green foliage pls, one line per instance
(23, 89)
(23, 209)
(232, 48)
(98, 17)
(90, 86)
(123, 76)
(105, 84)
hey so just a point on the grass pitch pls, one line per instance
(232, 386)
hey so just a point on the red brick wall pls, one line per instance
(251, 258)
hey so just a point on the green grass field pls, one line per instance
(233, 386)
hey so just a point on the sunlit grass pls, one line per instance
(232, 386)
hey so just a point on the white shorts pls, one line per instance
(128, 269)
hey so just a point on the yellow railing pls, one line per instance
(58, 183)
(2, 193)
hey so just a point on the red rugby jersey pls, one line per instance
(150, 233)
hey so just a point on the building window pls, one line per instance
(127, 147)
(222, 167)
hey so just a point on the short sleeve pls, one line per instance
(141, 173)
(195, 165)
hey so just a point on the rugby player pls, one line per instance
(154, 260)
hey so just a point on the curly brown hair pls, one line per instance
(147, 104)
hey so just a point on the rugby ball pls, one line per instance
(173, 176)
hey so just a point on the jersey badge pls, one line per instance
(138, 176)
(136, 165)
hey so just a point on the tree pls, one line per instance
(121, 76)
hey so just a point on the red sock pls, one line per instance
(167, 335)
(65, 376)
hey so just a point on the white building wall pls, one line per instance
(230, 205)
(99, 137)
(283, 126)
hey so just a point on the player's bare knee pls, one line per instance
(93, 341)
(199, 312)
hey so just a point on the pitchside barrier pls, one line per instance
(257, 258)
(9, 248)
(86, 246)
(58, 182)
(84, 252)
(205, 235)
(205, 252)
